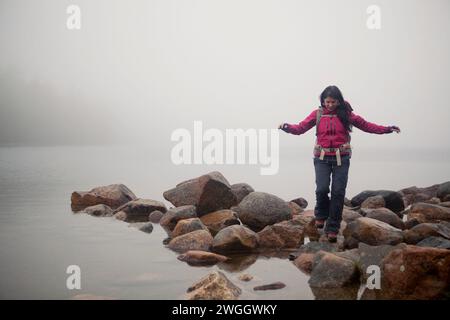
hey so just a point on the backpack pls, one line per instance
(319, 115)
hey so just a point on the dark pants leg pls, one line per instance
(326, 208)
(323, 171)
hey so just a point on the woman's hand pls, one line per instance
(283, 127)
(395, 128)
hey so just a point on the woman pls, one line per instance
(332, 153)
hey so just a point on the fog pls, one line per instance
(138, 70)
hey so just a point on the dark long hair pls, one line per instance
(343, 110)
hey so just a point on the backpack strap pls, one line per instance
(318, 117)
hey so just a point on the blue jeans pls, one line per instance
(326, 208)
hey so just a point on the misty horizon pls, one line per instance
(137, 71)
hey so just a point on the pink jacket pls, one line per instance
(331, 132)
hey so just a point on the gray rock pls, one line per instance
(426, 212)
(373, 202)
(411, 223)
(210, 192)
(113, 195)
(235, 238)
(414, 194)
(372, 232)
(138, 210)
(425, 230)
(435, 242)
(332, 271)
(445, 204)
(195, 240)
(443, 191)
(393, 199)
(170, 219)
(260, 209)
(385, 215)
(350, 215)
(285, 234)
(373, 256)
(241, 190)
(99, 210)
(147, 227)
(433, 200)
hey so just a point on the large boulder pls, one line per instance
(445, 204)
(373, 202)
(433, 200)
(427, 212)
(416, 273)
(443, 191)
(241, 190)
(235, 238)
(99, 210)
(385, 215)
(188, 225)
(138, 210)
(201, 258)
(350, 215)
(372, 232)
(210, 192)
(214, 286)
(260, 209)
(414, 194)
(195, 240)
(113, 195)
(283, 235)
(435, 242)
(170, 219)
(217, 220)
(393, 199)
(373, 256)
(425, 230)
(332, 271)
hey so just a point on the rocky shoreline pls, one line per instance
(404, 233)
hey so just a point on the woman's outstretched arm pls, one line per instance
(302, 127)
(369, 127)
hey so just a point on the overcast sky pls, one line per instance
(137, 70)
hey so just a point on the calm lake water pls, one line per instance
(40, 236)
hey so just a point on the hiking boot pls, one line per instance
(332, 236)
(319, 223)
